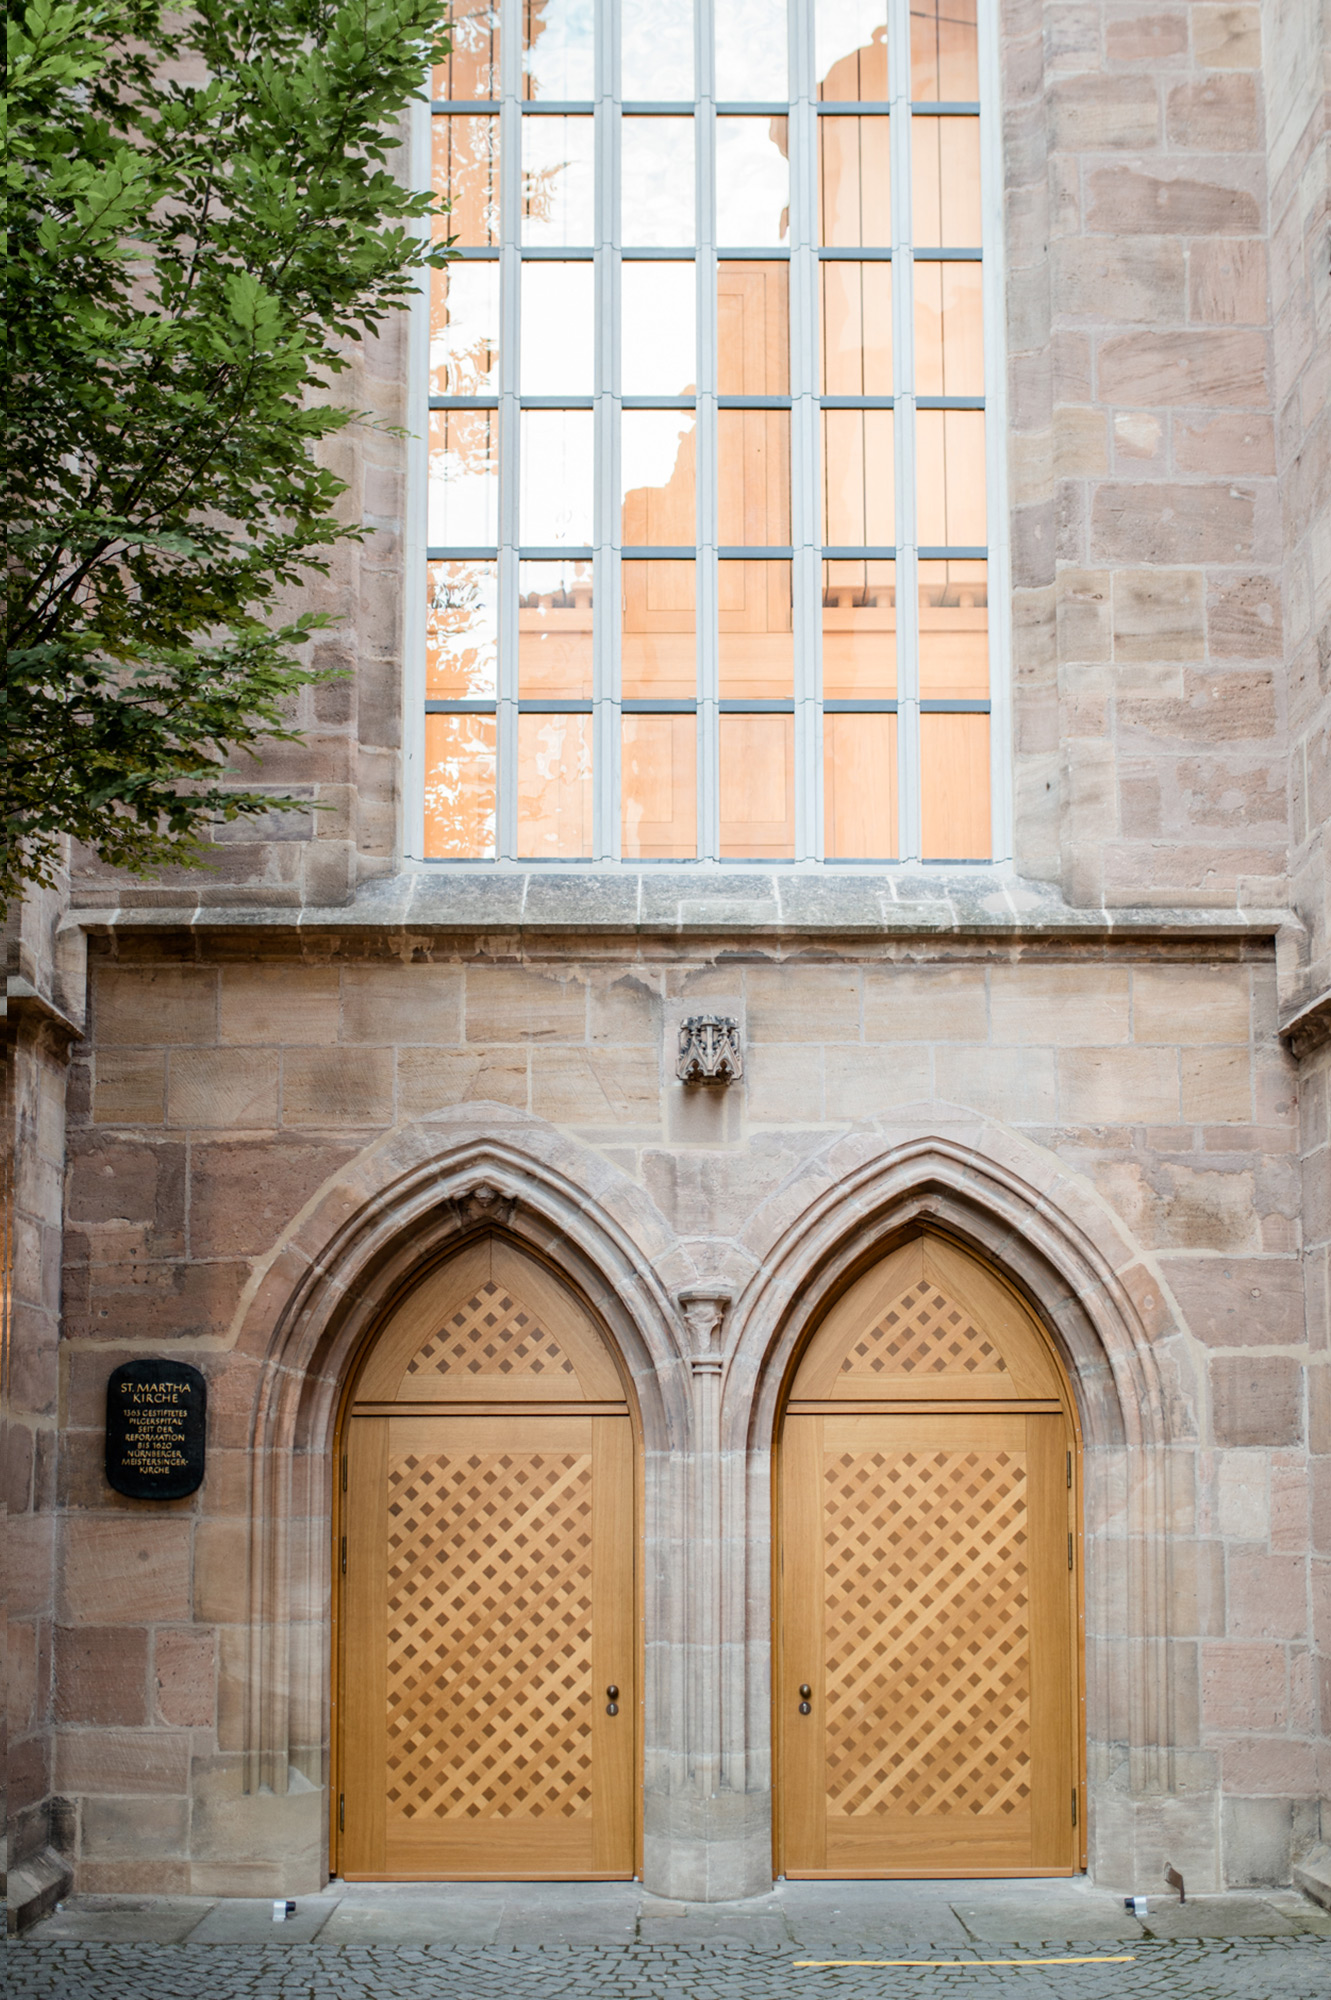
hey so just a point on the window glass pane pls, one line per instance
(753, 476)
(757, 784)
(555, 490)
(750, 51)
(945, 182)
(465, 172)
(557, 188)
(858, 479)
(657, 317)
(555, 631)
(944, 55)
(471, 69)
(555, 787)
(954, 631)
(757, 646)
(460, 631)
(949, 461)
(656, 52)
(753, 329)
(954, 788)
(854, 182)
(558, 59)
(859, 631)
(752, 181)
(856, 329)
(656, 189)
(463, 504)
(464, 330)
(850, 40)
(657, 456)
(860, 787)
(949, 330)
(659, 783)
(460, 787)
(659, 651)
(558, 351)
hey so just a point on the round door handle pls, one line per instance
(806, 1708)
(806, 1692)
(612, 1692)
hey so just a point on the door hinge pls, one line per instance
(1074, 1805)
(1069, 1550)
(342, 1812)
(344, 1473)
(344, 1554)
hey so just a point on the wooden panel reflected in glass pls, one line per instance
(462, 506)
(460, 792)
(753, 329)
(558, 50)
(859, 631)
(945, 182)
(465, 172)
(464, 330)
(949, 460)
(558, 190)
(859, 480)
(860, 787)
(757, 639)
(471, 68)
(753, 478)
(659, 787)
(954, 631)
(856, 328)
(850, 50)
(659, 623)
(949, 329)
(854, 183)
(944, 52)
(757, 786)
(555, 787)
(461, 631)
(657, 470)
(954, 788)
(555, 631)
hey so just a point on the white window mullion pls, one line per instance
(903, 350)
(606, 611)
(510, 331)
(805, 441)
(706, 590)
(995, 440)
(415, 573)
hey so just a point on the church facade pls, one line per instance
(751, 1185)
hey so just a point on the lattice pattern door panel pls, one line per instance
(923, 1332)
(492, 1333)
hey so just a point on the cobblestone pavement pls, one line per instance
(612, 1942)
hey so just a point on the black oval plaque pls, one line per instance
(156, 1423)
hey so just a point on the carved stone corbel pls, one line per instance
(483, 1203)
(704, 1310)
(709, 1050)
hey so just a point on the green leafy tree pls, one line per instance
(201, 217)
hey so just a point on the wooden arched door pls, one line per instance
(927, 1685)
(488, 1630)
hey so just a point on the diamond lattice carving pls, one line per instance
(923, 1333)
(490, 1635)
(927, 1638)
(492, 1334)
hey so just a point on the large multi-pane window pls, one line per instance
(708, 571)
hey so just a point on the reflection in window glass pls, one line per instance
(858, 479)
(757, 642)
(659, 624)
(757, 784)
(949, 330)
(850, 40)
(954, 788)
(854, 182)
(856, 328)
(558, 349)
(555, 479)
(753, 329)
(557, 188)
(463, 503)
(657, 459)
(460, 787)
(471, 68)
(656, 188)
(750, 51)
(554, 787)
(555, 631)
(944, 53)
(465, 173)
(464, 330)
(860, 787)
(658, 787)
(558, 59)
(658, 321)
(859, 631)
(753, 478)
(949, 461)
(656, 52)
(752, 181)
(954, 631)
(461, 631)
(945, 182)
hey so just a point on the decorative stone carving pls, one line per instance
(704, 1310)
(709, 1050)
(483, 1203)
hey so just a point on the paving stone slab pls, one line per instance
(247, 1920)
(126, 1919)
